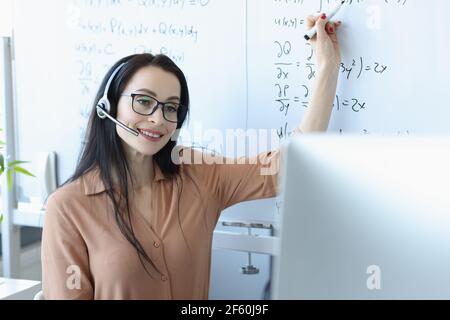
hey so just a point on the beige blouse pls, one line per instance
(85, 256)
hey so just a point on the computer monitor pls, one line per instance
(364, 218)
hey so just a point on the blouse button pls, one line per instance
(164, 278)
(156, 244)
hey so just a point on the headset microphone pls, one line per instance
(104, 107)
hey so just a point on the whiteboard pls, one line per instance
(63, 51)
(394, 74)
(246, 63)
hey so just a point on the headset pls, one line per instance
(104, 107)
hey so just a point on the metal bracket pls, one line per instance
(249, 269)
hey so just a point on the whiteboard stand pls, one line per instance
(239, 241)
(10, 232)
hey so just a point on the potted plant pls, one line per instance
(10, 167)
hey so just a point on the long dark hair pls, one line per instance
(103, 147)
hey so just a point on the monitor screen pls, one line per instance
(364, 217)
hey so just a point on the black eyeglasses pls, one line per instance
(147, 105)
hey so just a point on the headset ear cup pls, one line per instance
(103, 104)
(107, 106)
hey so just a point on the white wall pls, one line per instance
(5, 17)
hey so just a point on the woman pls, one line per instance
(131, 223)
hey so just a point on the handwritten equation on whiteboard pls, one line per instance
(101, 32)
(293, 59)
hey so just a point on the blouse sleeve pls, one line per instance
(249, 178)
(65, 260)
(230, 180)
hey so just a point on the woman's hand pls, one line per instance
(326, 48)
(325, 43)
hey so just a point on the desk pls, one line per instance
(17, 289)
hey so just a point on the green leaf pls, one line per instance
(1, 218)
(2, 164)
(15, 162)
(9, 178)
(22, 170)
